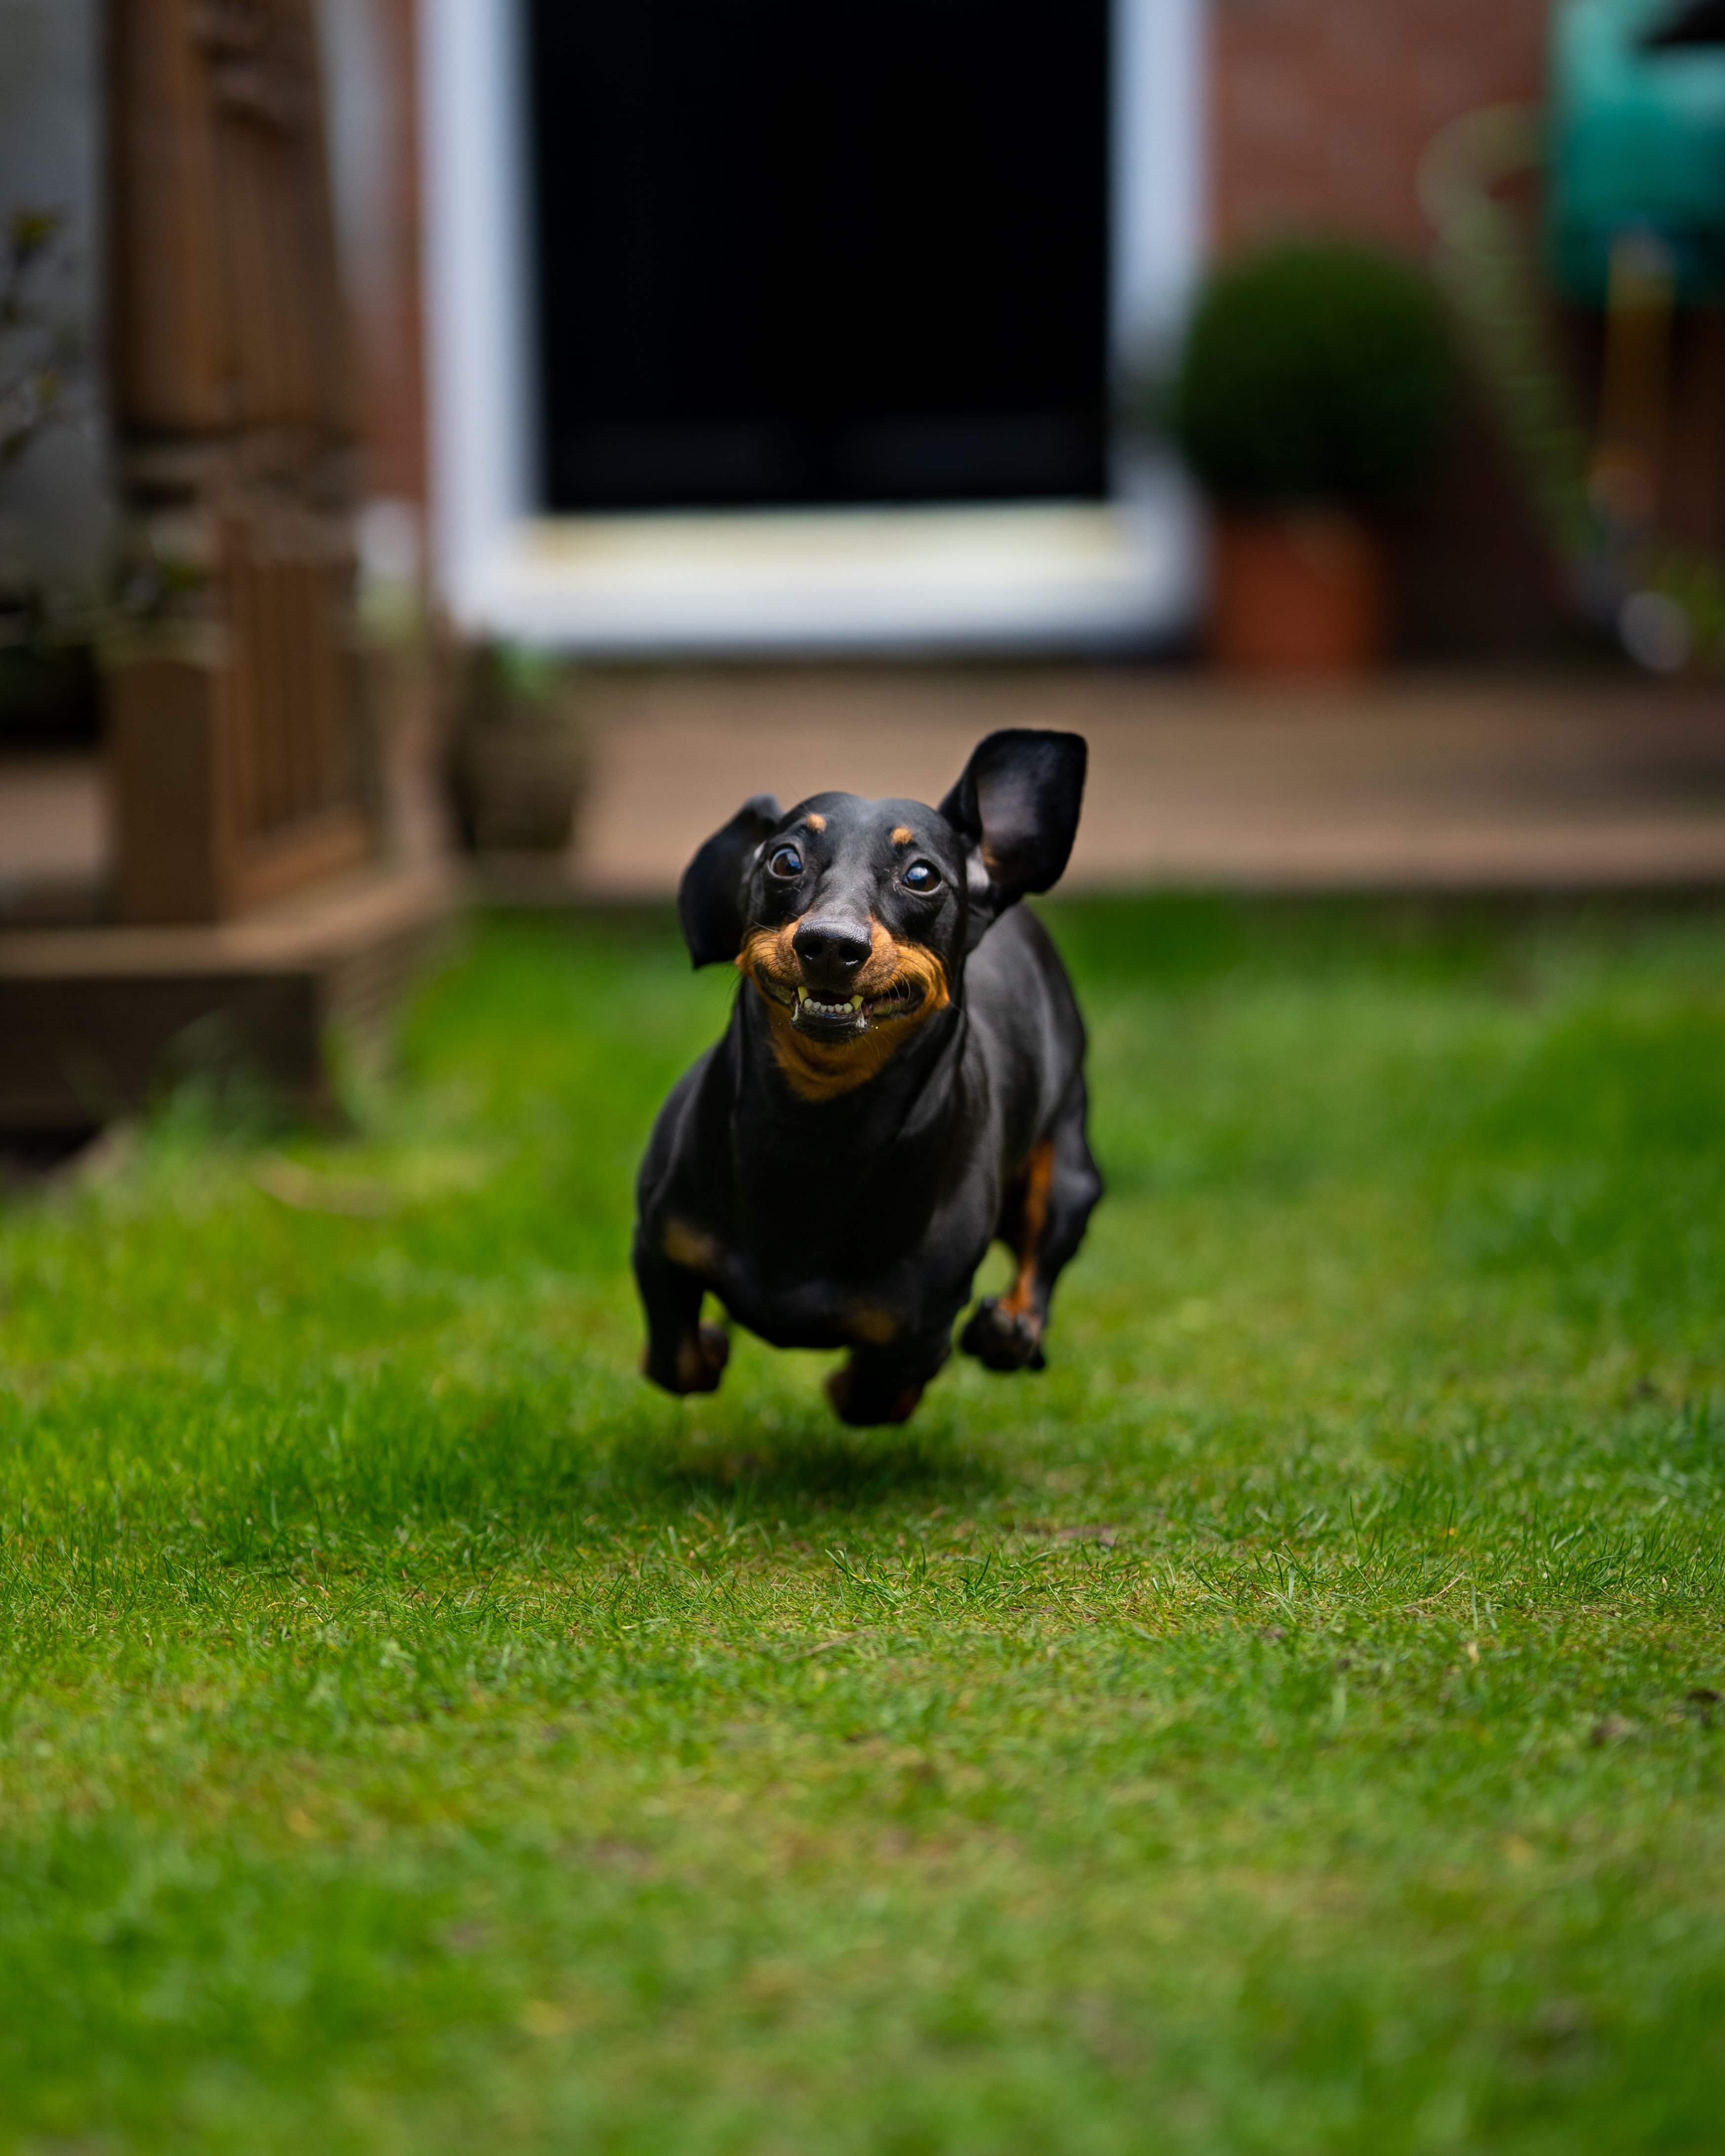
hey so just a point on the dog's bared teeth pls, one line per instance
(831, 1006)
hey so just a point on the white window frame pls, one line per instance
(1036, 575)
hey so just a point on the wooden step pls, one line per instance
(95, 1022)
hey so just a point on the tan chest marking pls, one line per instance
(690, 1247)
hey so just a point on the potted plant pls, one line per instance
(517, 754)
(1314, 388)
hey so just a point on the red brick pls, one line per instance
(1322, 108)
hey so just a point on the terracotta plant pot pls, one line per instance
(1297, 591)
(518, 783)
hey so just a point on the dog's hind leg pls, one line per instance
(681, 1354)
(1042, 1222)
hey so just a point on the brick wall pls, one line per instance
(395, 382)
(1321, 108)
(393, 376)
(370, 61)
(1320, 112)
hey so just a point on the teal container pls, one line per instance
(1637, 143)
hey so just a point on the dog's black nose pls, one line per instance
(831, 951)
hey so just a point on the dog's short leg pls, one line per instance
(1042, 1222)
(884, 1384)
(681, 1354)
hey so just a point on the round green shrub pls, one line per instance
(1316, 371)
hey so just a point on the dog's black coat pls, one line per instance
(826, 1210)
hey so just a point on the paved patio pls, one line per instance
(53, 837)
(1407, 782)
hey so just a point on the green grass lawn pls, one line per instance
(1287, 1726)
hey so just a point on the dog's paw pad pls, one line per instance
(714, 1343)
(864, 1407)
(701, 1357)
(1001, 1339)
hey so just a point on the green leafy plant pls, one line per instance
(32, 388)
(1313, 370)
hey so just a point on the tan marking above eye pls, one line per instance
(815, 823)
(903, 835)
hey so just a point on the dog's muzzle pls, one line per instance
(824, 1015)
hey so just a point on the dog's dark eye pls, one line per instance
(787, 863)
(922, 876)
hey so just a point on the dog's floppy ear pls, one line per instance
(710, 896)
(1016, 809)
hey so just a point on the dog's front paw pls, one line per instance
(1003, 1339)
(698, 1365)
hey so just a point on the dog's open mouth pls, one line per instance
(819, 1013)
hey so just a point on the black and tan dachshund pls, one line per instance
(900, 1083)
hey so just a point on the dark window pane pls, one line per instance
(821, 251)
